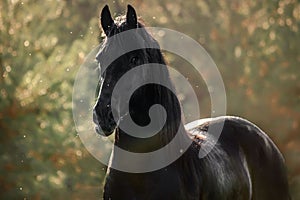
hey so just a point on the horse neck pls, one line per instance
(139, 108)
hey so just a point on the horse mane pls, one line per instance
(163, 95)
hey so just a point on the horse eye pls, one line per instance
(134, 60)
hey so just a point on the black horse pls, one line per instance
(243, 164)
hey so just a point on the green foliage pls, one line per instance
(42, 46)
(255, 44)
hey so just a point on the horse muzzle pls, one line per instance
(104, 125)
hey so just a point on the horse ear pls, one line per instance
(106, 19)
(131, 17)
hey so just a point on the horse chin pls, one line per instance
(104, 132)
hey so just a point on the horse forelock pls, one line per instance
(116, 44)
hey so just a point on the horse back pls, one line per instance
(252, 151)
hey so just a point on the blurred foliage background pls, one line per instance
(255, 45)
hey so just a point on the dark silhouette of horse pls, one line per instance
(243, 164)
